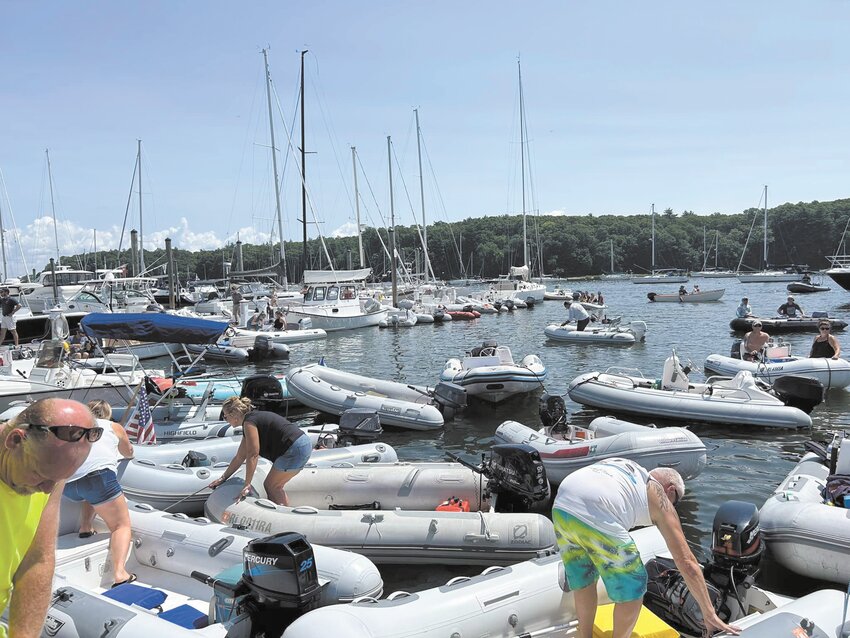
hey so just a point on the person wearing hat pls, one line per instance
(235, 299)
(577, 313)
(7, 322)
(825, 344)
(790, 308)
(754, 342)
(744, 309)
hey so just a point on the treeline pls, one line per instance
(800, 233)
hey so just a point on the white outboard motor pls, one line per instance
(638, 328)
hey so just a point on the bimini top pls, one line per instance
(154, 327)
(335, 276)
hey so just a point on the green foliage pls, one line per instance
(800, 233)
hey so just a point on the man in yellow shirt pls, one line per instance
(39, 449)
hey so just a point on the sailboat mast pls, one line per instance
(704, 253)
(652, 268)
(274, 167)
(141, 218)
(716, 247)
(522, 165)
(53, 207)
(765, 226)
(392, 224)
(303, 174)
(427, 259)
(357, 207)
(612, 256)
(3, 242)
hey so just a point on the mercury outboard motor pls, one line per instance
(279, 583)
(357, 426)
(553, 411)
(516, 478)
(450, 398)
(799, 392)
(736, 550)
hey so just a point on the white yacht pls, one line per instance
(331, 301)
(52, 286)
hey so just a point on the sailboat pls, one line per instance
(517, 283)
(715, 272)
(613, 275)
(660, 275)
(766, 275)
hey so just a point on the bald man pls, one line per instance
(39, 449)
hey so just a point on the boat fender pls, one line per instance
(453, 504)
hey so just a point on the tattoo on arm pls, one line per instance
(663, 501)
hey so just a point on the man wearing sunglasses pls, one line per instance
(39, 449)
(593, 512)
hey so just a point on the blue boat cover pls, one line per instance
(152, 327)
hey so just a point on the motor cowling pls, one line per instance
(799, 392)
(552, 410)
(450, 398)
(357, 426)
(735, 353)
(517, 477)
(264, 391)
(735, 536)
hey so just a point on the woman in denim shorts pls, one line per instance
(96, 486)
(268, 435)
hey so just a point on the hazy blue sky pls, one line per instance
(688, 105)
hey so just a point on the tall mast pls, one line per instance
(357, 208)
(94, 232)
(141, 218)
(3, 241)
(716, 247)
(653, 240)
(704, 253)
(53, 207)
(612, 256)
(765, 226)
(274, 168)
(394, 275)
(522, 165)
(429, 271)
(303, 175)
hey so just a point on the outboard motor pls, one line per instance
(651, 296)
(516, 478)
(450, 398)
(529, 302)
(736, 550)
(195, 459)
(553, 411)
(357, 426)
(735, 353)
(439, 314)
(265, 392)
(279, 583)
(509, 304)
(799, 392)
(264, 349)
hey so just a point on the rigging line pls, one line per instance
(413, 212)
(16, 234)
(127, 208)
(372, 193)
(744, 252)
(439, 196)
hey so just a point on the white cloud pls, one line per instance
(348, 229)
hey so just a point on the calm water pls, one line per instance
(744, 463)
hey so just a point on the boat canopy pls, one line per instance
(152, 327)
(335, 276)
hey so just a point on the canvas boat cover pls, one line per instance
(152, 327)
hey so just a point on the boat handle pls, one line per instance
(305, 509)
(456, 580)
(398, 594)
(492, 569)
(343, 464)
(364, 599)
(670, 464)
(481, 537)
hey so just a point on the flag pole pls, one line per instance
(128, 414)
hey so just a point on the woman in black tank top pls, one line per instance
(268, 435)
(825, 344)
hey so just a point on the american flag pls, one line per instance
(140, 427)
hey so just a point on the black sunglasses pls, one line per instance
(824, 327)
(70, 433)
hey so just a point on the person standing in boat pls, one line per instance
(7, 322)
(790, 308)
(577, 313)
(236, 300)
(593, 512)
(744, 310)
(268, 435)
(825, 345)
(754, 342)
(279, 321)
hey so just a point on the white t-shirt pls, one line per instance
(609, 496)
(103, 454)
(577, 312)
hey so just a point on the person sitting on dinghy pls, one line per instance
(754, 343)
(268, 435)
(790, 308)
(594, 510)
(825, 344)
(682, 292)
(577, 313)
(744, 310)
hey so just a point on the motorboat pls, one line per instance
(564, 448)
(736, 401)
(332, 301)
(399, 318)
(219, 352)
(611, 333)
(774, 325)
(517, 283)
(243, 338)
(777, 361)
(193, 578)
(489, 373)
(397, 404)
(691, 297)
(806, 285)
(663, 276)
(502, 531)
(805, 531)
(465, 314)
(558, 294)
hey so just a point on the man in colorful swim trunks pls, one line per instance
(593, 512)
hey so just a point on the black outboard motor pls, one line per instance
(357, 426)
(450, 398)
(264, 349)
(265, 392)
(651, 296)
(799, 392)
(736, 551)
(735, 353)
(529, 302)
(509, 304)
(279, 583)
(553, 411)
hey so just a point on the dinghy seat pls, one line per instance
(151, 599)
(186, 616)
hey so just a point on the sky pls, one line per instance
(690, 106)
